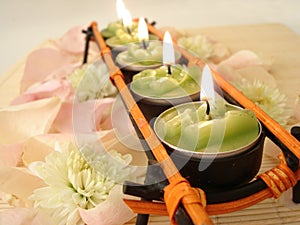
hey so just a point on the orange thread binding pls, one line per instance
(280, 178)
(181, 191)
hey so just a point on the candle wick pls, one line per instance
(169, 69)
(128, 30)
(207, 107)
(144, 44)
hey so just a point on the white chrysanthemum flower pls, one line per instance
(72, 182)
(268, 99)
(200, 45)
(92, 82)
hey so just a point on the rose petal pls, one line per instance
(60, 88)
(113, 211)
(42, 63)
(38, 147)
(245, 58)
(20, 122)
(103, 114)
(252, 73)
(10, 155)
(19, 182)
(73, 41)
(220, 53)
(21, 216)
(228, 72)
(129, 144)
(84, 117)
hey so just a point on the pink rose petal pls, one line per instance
(19, 182)
(42, 63)
(63, 121)
(38, 147)
(60, 88)
(10, 155)
(245, 58)
(73, 41)
(84, 117)
(113, 211)
(228, 72)
(64, 71)
(22, 216)
(126, 144)
(103, 114)
(19, 122)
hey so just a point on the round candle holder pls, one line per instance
(214, 170)
(137, 58)
(113, 27)
(117, 45)
(154, 104)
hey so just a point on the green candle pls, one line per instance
(112, 28)
(151, 55)
(138, 58)
(188, 127)
(157, 83)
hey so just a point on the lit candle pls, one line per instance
(127, 20)
(120, 7)
(207, 92)
(168, 51)
(124, 28)
(209, 125)
(151, 55)
(143, 34)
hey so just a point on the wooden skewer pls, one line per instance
(276, 129)
(195, 210)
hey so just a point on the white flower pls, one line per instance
(92, 82)
(268, 99)
(73, 183)
(199, 45)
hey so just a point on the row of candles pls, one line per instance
(218, 113)
(168, 53)
(235, 123)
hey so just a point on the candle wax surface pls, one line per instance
(118, 35)
(113, 27)
(157, 83)
(189, 128)
(137, 55)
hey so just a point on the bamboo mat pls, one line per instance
(273, 41)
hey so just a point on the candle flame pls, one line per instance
(207, 86)
(168, 49)
(142, 30)
(120, 7)
(127, 20)
(123, 14)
